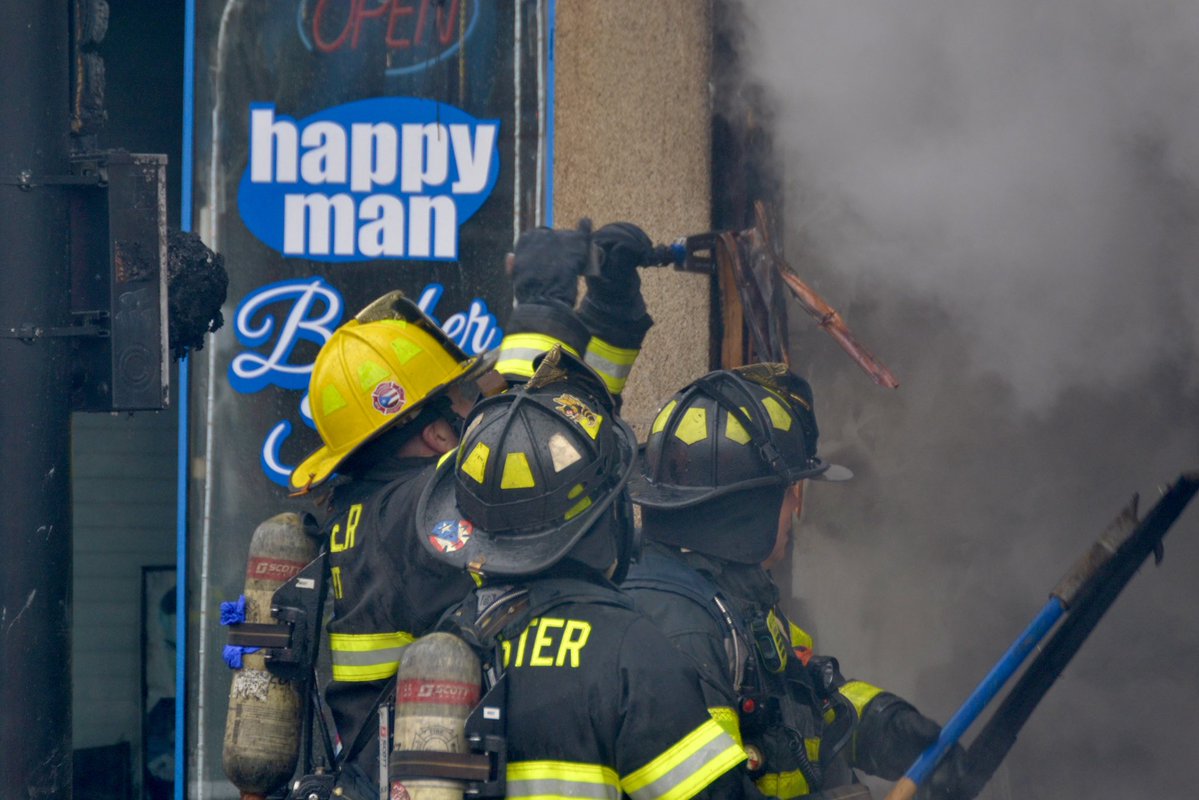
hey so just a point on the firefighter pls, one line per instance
(534, 504)
(720, 484)
(388, 393)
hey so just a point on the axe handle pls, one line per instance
(983, 694)
(904, 789)
(1092, 601)
(1099, 583)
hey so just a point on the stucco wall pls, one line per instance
(632, 142)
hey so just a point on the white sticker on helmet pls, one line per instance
(562, 452)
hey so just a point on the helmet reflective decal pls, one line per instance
(372, 373)
(578, 508)
(405, 350)
(475, 464)
(734, 430)
(779, 417)
(576, 411)
(562, 452)
(332, 400)
(517, 474)
(663, 415)
(388, 398)
(693, 427)
(451, 535)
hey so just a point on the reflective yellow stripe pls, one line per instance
(687, 767)
(561, 779)
(799, 637)
(693, 427)
(611, 362)
(366, 656)
(663, 416)
(785, 785)
(727, 718)
(859, 694)
(518, 350)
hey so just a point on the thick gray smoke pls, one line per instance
(1003, 201)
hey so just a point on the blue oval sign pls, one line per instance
(384, 178)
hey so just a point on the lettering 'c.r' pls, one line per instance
(347, 541)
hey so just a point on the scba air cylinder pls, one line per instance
(437, 686)
(262, 729)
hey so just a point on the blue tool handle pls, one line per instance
(668, 255)
(986, 691)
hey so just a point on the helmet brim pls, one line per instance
(319, 466)
(661, 496)
(450, 538)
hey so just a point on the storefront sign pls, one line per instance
(389, 177)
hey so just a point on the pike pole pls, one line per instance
(1087, 591)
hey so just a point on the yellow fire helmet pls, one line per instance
(376, 371)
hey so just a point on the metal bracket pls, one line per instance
(297, 605)
(92, 324)
(25, 179)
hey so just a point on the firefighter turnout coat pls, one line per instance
(386, 590)
(599, 704)
(800, 721)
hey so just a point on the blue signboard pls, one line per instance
(388, 177)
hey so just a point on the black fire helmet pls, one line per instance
(729, 431)
(538, 469)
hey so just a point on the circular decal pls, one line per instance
(388, 397)
(451, 535)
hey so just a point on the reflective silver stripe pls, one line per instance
(366, 656)
(520, 353)
(695, 772)
(552, 787)
(517, 351)
(606, 366)
(561, 779)
(349, 658)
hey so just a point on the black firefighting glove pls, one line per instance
(949, 780)
(892, 735)
(625, 247)
(545, 270)
(547, 264)
(614, 309)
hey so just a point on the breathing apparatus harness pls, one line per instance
(485, 620)
(763, 669)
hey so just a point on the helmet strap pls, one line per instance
(445, 409)
(757, 435)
